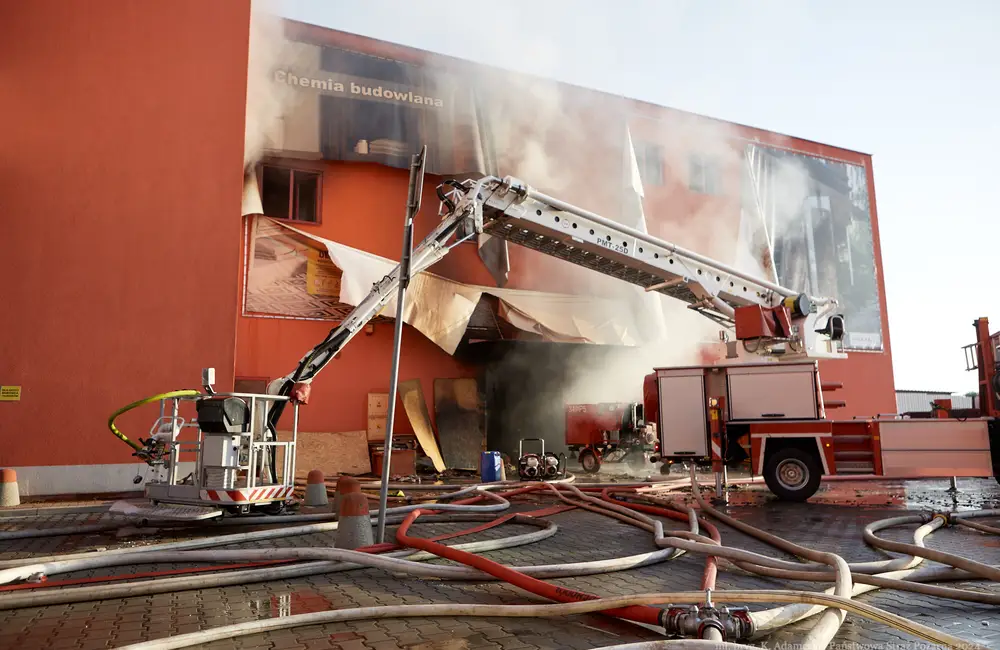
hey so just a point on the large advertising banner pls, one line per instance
(290, 275)
(812, 231)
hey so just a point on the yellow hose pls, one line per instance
(155, 398)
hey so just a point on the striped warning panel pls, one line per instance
(246, 495)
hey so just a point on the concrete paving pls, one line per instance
(833, 521)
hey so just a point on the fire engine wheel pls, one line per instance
(590, 462)
(793, 474)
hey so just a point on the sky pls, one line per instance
(914, 83)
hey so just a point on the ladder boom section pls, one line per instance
(520, 215)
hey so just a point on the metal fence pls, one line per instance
(915, 400)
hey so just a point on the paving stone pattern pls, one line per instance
(582, 536)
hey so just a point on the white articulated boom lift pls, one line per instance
(236, 466)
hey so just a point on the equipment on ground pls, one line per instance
(491, 467)
(546, 466)
(609, 432)
(776, 415)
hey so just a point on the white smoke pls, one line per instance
(565, 142)
(268, 103)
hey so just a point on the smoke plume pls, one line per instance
(574, 144)
(268, 103)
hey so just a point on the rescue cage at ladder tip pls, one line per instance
(240, 464)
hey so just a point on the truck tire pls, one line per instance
(793, 474)
(590, 462)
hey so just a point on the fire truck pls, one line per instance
(779, 412)
(609, 432)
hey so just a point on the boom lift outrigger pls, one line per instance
(769, 319)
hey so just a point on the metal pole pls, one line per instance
(412, 207)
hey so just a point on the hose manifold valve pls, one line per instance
(734, 623)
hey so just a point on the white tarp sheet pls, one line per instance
(440, 308)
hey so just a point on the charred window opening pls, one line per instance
(375, 121)
(291, 194)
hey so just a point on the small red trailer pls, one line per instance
(608, 432)
(778, 411)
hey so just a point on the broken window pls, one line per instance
(291, 194)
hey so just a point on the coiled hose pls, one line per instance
(976, 568)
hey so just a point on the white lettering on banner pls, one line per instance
(613, 246)
(356, 88)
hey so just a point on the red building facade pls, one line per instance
(158, 274)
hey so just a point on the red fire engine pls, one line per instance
(713, 413)
(608, 432)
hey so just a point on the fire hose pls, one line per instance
(563, 609)
(239, 538)
(134, 405)
(588, 502)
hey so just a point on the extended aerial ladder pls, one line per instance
(769, 319)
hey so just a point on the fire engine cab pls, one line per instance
(777, 414)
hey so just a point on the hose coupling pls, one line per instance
(946, 516)
(734, 623)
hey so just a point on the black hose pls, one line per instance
(444, 199)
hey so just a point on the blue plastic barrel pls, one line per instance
(490, 466)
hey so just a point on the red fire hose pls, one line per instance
(638, 613)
